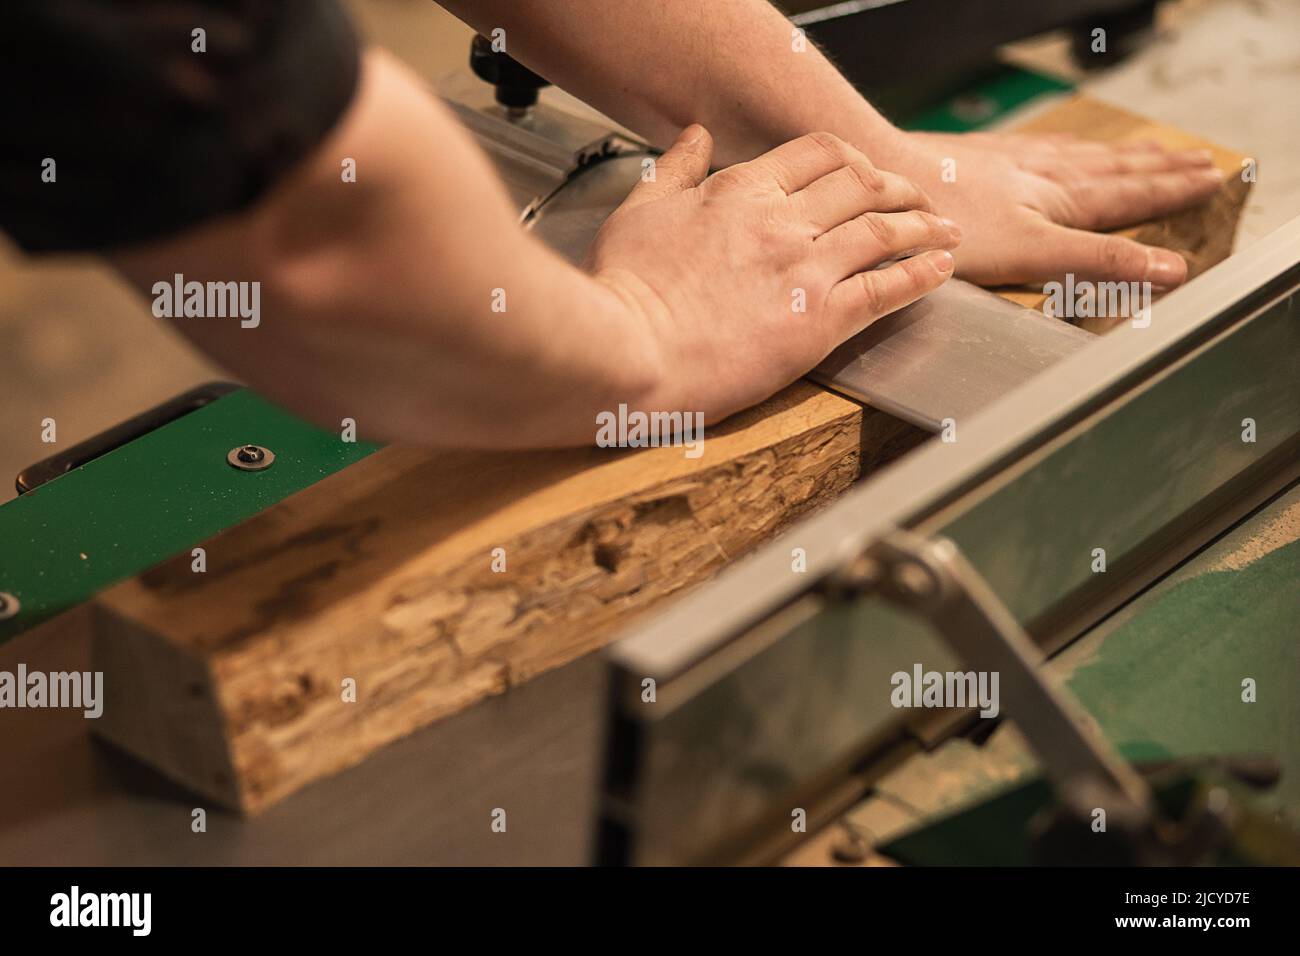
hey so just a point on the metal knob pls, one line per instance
(516, 86)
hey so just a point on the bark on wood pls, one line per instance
(231, 681)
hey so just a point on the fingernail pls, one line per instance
(1165, 269)
(1204, 155)
(942, 261)
(1210, 175)
(952, 228)
(691, 135)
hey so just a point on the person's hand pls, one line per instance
(1029, 205)
(746, 279)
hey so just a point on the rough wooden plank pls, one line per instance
(230, 681)
(383, 574)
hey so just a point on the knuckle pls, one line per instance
(918, 198)
(910, 194)
(733, 177)
(881, 229)
(920, 274)
(931, 224)
(828, 143)
(866, 177)
(1085, 190)
(724, 177)
(772, 225)
(934, 226)
(869, 293)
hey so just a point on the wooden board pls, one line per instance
(1202, 235)
(234, 682)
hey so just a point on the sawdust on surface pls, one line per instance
(1276, 532)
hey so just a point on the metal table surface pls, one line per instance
(67, 798)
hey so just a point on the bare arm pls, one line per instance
(377, 294)
(1027, 205)
(730, 65)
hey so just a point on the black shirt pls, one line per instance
(148, 135)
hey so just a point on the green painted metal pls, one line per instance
(1163, 678)
(1168, 681)
(986, 102)
(154, 497)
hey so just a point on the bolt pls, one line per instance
(9, 605)
(251, 457)
(974, 107)
(852, 580)
(914, 580)
(1218, 801)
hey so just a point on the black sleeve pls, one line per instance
(148, 136)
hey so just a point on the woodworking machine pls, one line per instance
(1110, 538)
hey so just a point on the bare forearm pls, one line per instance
(732, 65)
(409, 299)
(1026, 206)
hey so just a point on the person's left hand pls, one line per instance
(1028, 205)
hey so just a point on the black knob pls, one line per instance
(516, 85)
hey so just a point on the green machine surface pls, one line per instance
(155, 496)
(991, 100)
(1164, 678)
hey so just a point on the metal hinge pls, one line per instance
(930, 577)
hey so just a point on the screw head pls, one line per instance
(9, 605)
(914, 580)
(251, 457)
(974, 107)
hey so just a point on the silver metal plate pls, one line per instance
(947, 355)
(569, 219)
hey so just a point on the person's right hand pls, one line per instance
(746, 279)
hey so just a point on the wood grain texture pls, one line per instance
(230, 682)
(383, 574)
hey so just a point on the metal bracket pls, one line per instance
(930, 577)
(535, 153)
